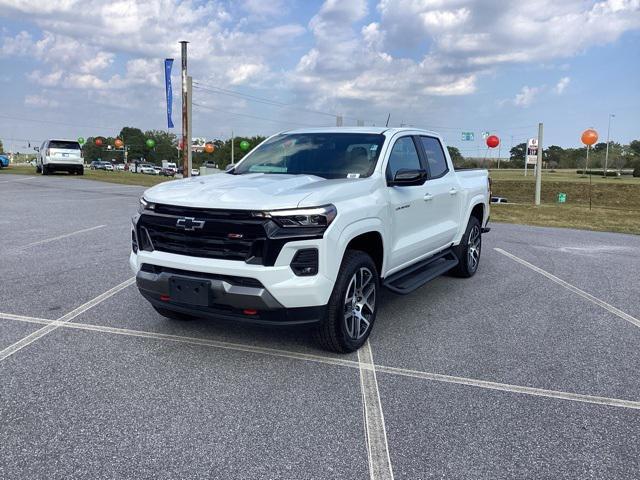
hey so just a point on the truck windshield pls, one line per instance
(327, 155)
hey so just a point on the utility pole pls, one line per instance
(189, 126)
(186, 141)
(606, 155)
(538, 164)
(232, 151)
(338, 120)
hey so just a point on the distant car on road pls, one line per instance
(101, 165)
(498, 200)
(60, 155)
(146, 168)
(195, 172)
(120, 167)
(167, 172)
(4, 161)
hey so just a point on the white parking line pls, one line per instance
(576, 290)
(60, 237)
(436, 377)
(29, 339)
(376, 432)
(16, 180)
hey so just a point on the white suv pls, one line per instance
(63, 155)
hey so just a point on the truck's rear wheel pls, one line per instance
(165, 312)
(44, 170)
(468, 251)
(352, 307)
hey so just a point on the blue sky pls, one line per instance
(74, 68)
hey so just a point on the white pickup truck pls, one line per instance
(308, 227)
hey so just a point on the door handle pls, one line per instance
(427, 197)
(453, 191)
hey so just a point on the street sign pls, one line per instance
(532, 151)
(468, 136)
(562, 197)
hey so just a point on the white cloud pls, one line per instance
(526, 96)
(40, 101)
(562, 84)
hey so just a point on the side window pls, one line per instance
(435, 157)
(403, 156)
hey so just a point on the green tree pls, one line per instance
(516, 155)
(456, 156)
(1, 147)
(134, 141)
(553, 155)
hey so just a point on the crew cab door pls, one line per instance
(442, 195)
(407, 207)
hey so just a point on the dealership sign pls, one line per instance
(532, 151)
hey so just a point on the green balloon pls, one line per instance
(81, 140)
(244, 145)
(151, 143)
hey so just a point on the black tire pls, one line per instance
(165, 312)
(80, 171)
(468, 251)
(44, 170)
(37, 168)
(338, 331)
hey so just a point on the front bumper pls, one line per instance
(226, 299)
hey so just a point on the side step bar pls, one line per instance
(416, 275)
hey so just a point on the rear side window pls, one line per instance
(435, 157)
(64, 145)
(403, 156)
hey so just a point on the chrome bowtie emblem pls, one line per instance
(189, 224)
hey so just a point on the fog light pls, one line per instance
(305, 262)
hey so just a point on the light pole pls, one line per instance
(606, 155)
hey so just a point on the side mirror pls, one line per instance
(406, 177)
(231, 166)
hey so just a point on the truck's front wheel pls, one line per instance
(468, 251)
(353, 305)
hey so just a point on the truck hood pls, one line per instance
(255, 191)
(238, 192)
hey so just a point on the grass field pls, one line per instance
(126, 178)
(615, 202)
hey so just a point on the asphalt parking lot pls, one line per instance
(530, 369)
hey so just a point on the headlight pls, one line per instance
(144, 205)
(302, 217)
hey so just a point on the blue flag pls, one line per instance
(168, 63)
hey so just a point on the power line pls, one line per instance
(54, 122)
(206, 107)
(267, 101)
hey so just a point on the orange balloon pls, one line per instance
(209, 148)
(589, 137)
(118, 143)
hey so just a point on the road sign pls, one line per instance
(562, 197)
(532, 151)
(468, 136)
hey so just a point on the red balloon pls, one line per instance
(493, 141)
(118, 143)
(589, 137)
(98, 142)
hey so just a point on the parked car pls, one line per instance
(120, 167)
(94, 164)
(498, 200)
(4, 161)
(309, 235)
(157, 169)
(147, 169)
(195, 172)
(56, 155)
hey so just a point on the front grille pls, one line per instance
(233, 280)
(228, 235)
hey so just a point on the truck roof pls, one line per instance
(373, 130)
